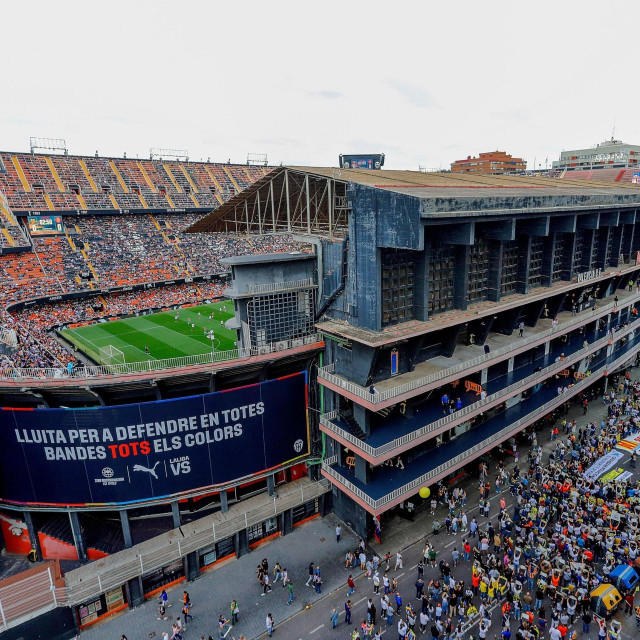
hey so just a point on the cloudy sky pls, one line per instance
(424, 82)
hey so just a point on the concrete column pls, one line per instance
(135, 592)
(524, 246)
(510, 365)
(126, 529)
(569, 253)
(547, 347)
(362, 469)
(191, 566)
(286, 524)
(224, 501)
(33, 534)
(78, 537)
(495, 270)
(484, 374)
(241, 543)
(461, 277)
(421, 283)
(271, 484)
(175, 513)
(548, 262)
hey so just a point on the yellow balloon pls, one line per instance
(425, 492)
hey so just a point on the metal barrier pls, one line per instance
(24, 599)
(281, 286)
(11, 373)
(114, 571)
(495, 439)
(327, 373)
(476, 407)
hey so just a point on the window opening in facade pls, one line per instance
(479, 270)
(397, 286)
(441, 267)
(509, 267)
(535, 262)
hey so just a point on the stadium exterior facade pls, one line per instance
(452, 308)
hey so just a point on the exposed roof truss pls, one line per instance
(286, 200)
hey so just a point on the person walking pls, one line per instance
(269, 624)
(338, 533)
(334, 618)
(521, 329)
(351, 584)
(235, 612)
(311, 573)
(290, 600)
(347, 612)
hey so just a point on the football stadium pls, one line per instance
(327, 390)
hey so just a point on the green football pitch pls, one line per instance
(161, 333)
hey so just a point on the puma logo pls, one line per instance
(152, 471)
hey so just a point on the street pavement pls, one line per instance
(308, 616)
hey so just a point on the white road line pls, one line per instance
(446, 546)
(316, 629)
(355, 604)
(414, 566)
(400, 576)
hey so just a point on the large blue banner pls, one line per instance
(141, 452)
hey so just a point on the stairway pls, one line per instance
(54, 173)
(353, 426)
(102, 534)
(58, 526)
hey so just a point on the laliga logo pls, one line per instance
(297, 445)
(107, 472)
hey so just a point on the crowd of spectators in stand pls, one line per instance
(39, 348)
(109, 251)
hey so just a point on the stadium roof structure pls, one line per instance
(314, 200)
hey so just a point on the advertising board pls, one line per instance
(143, 452)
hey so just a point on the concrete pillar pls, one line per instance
(241, 543)
(524, 246)
(271, 484)
(510, 365)
(569, 253)
(78, 537)
(421, 283)
(175, 513)
(224, 501)
(286, 523)
(135, 592)
(362, 469)
(484, 374)
(495, 270)
(33, 534)
(461, 277)
(191, 566)
(548, 263)
(547, 347)
(126, 529)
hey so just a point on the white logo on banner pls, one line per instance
(297, 445)
(107, 472)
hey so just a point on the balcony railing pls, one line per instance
(326, 373)
(132, 368)
(495, 439)
(459, 416)
(281, 286)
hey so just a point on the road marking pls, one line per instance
(400, 576)
(355, 604)
(446, 546)
(414, 566)
(316, 629)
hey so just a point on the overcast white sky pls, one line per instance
(424, 82)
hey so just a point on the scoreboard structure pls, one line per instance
(362, 161)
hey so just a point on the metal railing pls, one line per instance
(326, 373)
(267, 287)
(94, 371)
(469, 453)
(459, 416)
(26, 598)
(98, 577)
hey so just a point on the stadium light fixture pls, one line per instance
(49, 144)
(257, 159)
(174, 154)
